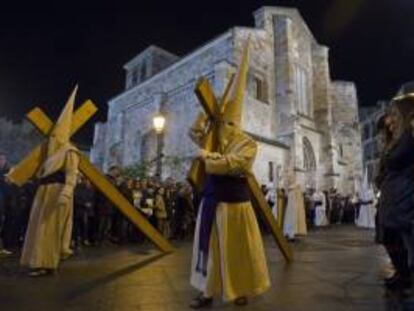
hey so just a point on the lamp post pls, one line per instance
(158, 122)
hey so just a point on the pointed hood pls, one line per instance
(233, 108)
(61, 132)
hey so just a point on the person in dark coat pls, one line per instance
(328, 205)
(335, 211)
(84, 199)
(183, 213)
(349, 211)
(5, 207)
(396, 185)
(123, 224)
(104, 209)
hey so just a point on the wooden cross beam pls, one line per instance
(28, 167)
(196, 175)
(30, 164)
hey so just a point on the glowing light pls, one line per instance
(159, 123)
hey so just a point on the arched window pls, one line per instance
(309, 163)
(309, 160)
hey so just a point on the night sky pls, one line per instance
(45, 49)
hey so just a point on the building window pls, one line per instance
(271, 172)
(309, 159)
(341, 150)
(143, 74)
(257, 88)
(302, 96)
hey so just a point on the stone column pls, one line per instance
(284, 77)
(323, 115)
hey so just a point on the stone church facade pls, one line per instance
(302, 120)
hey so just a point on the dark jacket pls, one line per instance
(84, 199)
(396, 209)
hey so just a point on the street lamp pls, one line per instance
(158, 122)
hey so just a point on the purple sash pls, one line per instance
(218, 189)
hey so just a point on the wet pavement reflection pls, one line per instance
(335, 269)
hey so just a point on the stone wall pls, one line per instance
(278, 156)
(129, 114)
(297, 102)
(175, 87)
(347, 131)
(258, 115)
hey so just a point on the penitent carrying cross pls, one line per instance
(29, 166)
(214, 109)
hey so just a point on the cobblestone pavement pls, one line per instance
(335, 269)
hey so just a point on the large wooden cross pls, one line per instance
(28, 167)
(196, 177)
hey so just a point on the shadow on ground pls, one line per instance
(335, 269)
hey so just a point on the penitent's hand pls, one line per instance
(202, 154)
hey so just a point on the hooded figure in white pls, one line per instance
(295, 215)
(367, 210)
(319, 201)
(49, 230)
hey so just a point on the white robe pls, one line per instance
(49, 229)
(295, 216)
(367, 212)
(320, 210)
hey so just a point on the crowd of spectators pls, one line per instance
(168, 205)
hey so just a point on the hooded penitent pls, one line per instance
(49, 230)
(230, 119)
(367, 211)
(228, 255)
(295, 216)
(319, 204)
